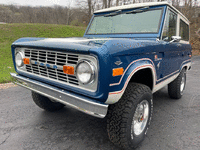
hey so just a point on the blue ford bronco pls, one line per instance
(126, 54)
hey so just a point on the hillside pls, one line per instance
(11, 32)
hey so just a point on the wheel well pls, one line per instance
(143, 76)
(185, 67)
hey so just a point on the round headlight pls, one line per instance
(19, 59)
(85, 72)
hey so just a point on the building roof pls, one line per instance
(136, 5)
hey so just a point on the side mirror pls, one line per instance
(175, 39)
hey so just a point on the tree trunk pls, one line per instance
(117, 2)
(109, 3)
(104, 3)
(89, 8)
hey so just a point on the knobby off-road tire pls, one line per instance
(45, 103)
(128, 110)
(177, 87)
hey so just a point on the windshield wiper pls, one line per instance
(139, 10)
(113, 13)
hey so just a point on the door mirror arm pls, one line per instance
(175, 39)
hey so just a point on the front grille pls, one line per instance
(49, 64)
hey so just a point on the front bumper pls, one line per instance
(81, 103)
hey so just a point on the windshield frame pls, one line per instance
(151, 8)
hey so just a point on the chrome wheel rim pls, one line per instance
(182, 83)
(140, 118)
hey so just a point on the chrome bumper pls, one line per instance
(81, 103)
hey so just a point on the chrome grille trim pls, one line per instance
(57, 59)
(51, 58)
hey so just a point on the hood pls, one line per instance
(86, 45)
(69, 44)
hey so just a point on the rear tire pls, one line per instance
(128, 120)
(177, 87)
(45, 103)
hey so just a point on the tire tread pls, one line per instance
(174, 86)
(118, 114)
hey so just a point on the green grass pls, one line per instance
(11, 32)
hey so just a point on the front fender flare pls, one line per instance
(132, 68)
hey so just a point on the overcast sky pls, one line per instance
(38, 2)
(46, 2)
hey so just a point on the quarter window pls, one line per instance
(184, 31)
(169, 29)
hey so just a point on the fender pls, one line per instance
(137, 65)
(132, 68)
(171, 77)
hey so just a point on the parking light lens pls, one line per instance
(26, 61)
(68, 70)
(118, 72)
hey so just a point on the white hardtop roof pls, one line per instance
(140, 5)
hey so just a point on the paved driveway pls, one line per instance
(23, 125)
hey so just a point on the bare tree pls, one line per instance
(117, 2)
(81, 14)
(109, 3)
(104, 3)
(6, 14)
(69, 11)
(89, 8)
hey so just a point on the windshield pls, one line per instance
(147, 21)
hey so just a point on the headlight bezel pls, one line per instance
(93, 70)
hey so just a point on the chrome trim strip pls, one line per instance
(165, 82)
(168, 75)
(81, 103)
(184, 42)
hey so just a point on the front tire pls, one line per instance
(177, 87)
(128, 120)
(45, 103)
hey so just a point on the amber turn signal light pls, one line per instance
(68, 70)
(118, 71)
(26, 61)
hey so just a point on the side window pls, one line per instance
(169, 29)
(184, 31)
